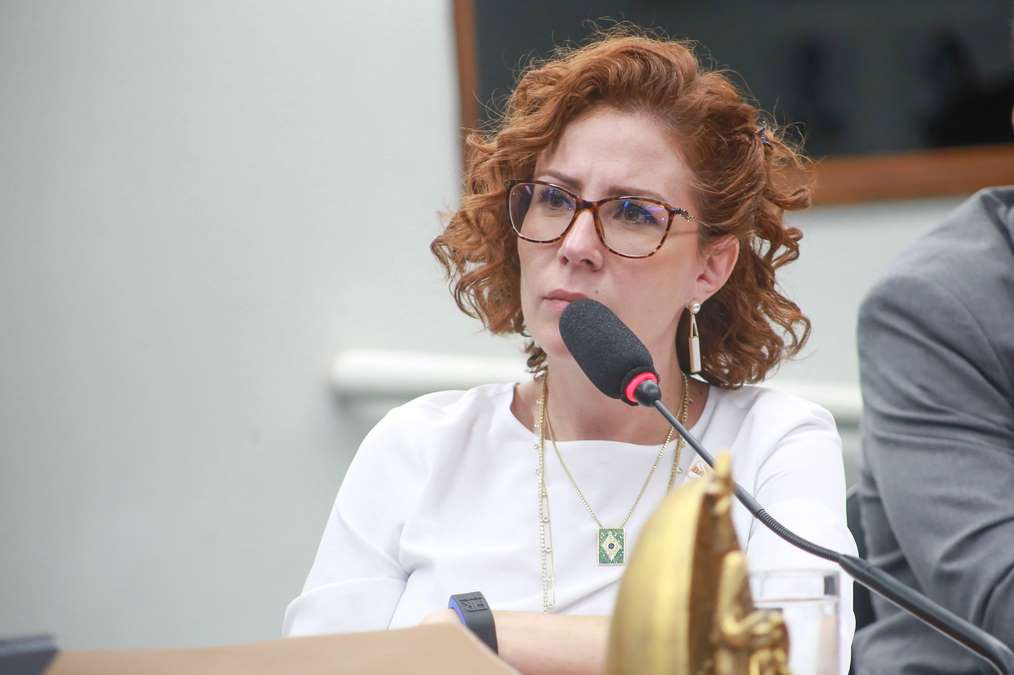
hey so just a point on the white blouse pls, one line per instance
(441, 498)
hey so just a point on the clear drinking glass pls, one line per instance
(808, 602)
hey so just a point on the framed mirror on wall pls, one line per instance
(894, 99)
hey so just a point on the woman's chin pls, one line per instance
(554, 346)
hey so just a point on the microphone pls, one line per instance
(618, 363)
(620, 366)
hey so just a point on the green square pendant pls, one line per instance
(610, 545)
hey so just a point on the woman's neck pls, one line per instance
(579, 411)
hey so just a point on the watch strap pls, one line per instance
(473, 611)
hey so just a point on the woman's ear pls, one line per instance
(718, 260)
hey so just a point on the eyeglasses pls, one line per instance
(631, 227)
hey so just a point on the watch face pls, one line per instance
(473, 604)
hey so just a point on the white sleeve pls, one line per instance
(357, 578)
(801, 483)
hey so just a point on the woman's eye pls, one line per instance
(632, 213)
(556, 199)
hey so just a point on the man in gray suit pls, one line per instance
(936, 350)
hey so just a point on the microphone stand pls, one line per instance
(944, 621)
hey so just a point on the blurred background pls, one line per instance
(192, 261)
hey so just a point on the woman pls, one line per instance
(625, 173)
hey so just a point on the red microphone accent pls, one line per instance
(632, 386)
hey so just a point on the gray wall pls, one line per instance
(201, 204)
(844, 250)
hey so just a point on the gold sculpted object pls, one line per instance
(684, 606)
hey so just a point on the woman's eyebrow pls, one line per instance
(614, 190)
(562, 178)
(621, 191)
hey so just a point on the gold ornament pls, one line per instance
(684, 606)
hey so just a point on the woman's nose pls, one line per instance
(582, 245)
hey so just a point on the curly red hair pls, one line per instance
(746, 174)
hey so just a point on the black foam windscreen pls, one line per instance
(604, 347)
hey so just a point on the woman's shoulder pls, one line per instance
(443, 413)
(772, 408)
(763, 422)
(415, 432)
(457, 404)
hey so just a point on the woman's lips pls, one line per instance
(557, 304)
(559, 299)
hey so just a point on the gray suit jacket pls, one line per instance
(936, 349)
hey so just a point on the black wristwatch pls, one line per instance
(474, 612)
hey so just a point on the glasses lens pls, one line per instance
(633, 227)
(540, 212)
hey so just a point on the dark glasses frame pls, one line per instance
(581, 204)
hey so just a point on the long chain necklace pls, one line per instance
(610, 540)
